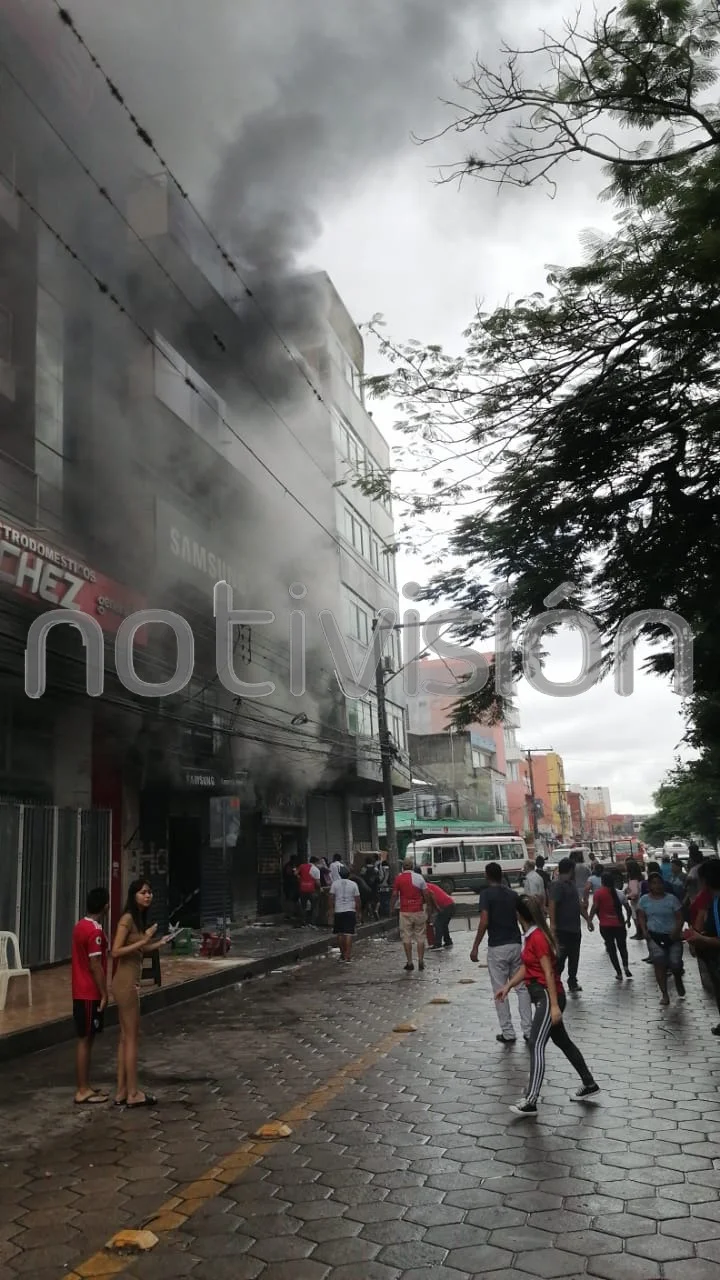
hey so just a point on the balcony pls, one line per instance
(159, 215)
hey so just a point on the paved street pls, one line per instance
(403, 1159)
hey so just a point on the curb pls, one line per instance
(49, 1034)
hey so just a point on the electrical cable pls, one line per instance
(143, 134)
(145, 138)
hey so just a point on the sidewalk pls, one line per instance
(256, 949)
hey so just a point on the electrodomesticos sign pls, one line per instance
(39, 571)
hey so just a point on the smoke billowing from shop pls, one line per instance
(271, 115)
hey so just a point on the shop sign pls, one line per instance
(188, 551)
(42, 572)
(284, 810)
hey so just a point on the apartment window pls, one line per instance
(396, 725)
(361, 718)
(197, 405)
(379, 473)
(513, 771)
(357, 532)
(359, 622)
(388, 569)
(351, 448)
(49, 393)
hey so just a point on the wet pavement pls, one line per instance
(403, 1160)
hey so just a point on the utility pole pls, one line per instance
(385, 756)
(528, 756)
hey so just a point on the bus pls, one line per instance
(458, 863)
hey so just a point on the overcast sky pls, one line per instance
(423, 254)
(298, 118)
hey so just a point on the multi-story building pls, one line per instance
(576, 805)
(598, 808)
(158, 433)
(496, 751)
(463, 763)
(550, 790)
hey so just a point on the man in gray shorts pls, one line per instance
(498, 919)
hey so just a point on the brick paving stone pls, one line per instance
(422, 1169)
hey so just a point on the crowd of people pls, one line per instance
(532, 936)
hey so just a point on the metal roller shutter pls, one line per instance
(327, 831)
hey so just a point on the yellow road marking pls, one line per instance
(175, 1212)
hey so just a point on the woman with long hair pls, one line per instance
(539, 971)
(133, 940)
(608, 906)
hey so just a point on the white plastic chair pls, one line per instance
(7, 972)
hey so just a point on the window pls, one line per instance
(511, 852)
(361, 718)
(357, 532)
(469, 852)
(49, 397)
(197, 404)
(359, 624)
(379, 473)
(351, 449)
(426, 859)
(486, 852)
(448, 853)
(388, 567)
(396, 726)
(513, 771)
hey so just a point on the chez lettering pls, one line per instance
(28, 569)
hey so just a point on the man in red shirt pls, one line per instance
(444, 907)
(410, 892)
(309, 884)
(89, 990)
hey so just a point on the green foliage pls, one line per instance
(687, 802)
(577, 435)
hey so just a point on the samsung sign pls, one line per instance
(185, 550)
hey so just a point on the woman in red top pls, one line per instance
(539, 970)
(608, 907)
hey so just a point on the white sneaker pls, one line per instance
(524, 1109)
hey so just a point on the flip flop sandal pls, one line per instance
(92, 1100)
(148, 1101)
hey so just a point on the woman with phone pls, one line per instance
(541, 974)
(133, 940)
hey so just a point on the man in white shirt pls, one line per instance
(534, 885)
(336, 867)
(346, 906)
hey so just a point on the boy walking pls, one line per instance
(89, 990)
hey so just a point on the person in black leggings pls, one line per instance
(608, 906)
(539, 970)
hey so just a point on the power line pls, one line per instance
(145, 137)
(108, 293)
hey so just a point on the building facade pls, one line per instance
(159, 434)
(431, 695)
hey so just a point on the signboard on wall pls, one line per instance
(185, 550)
(49, 576)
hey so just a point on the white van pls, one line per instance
(458, 862)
